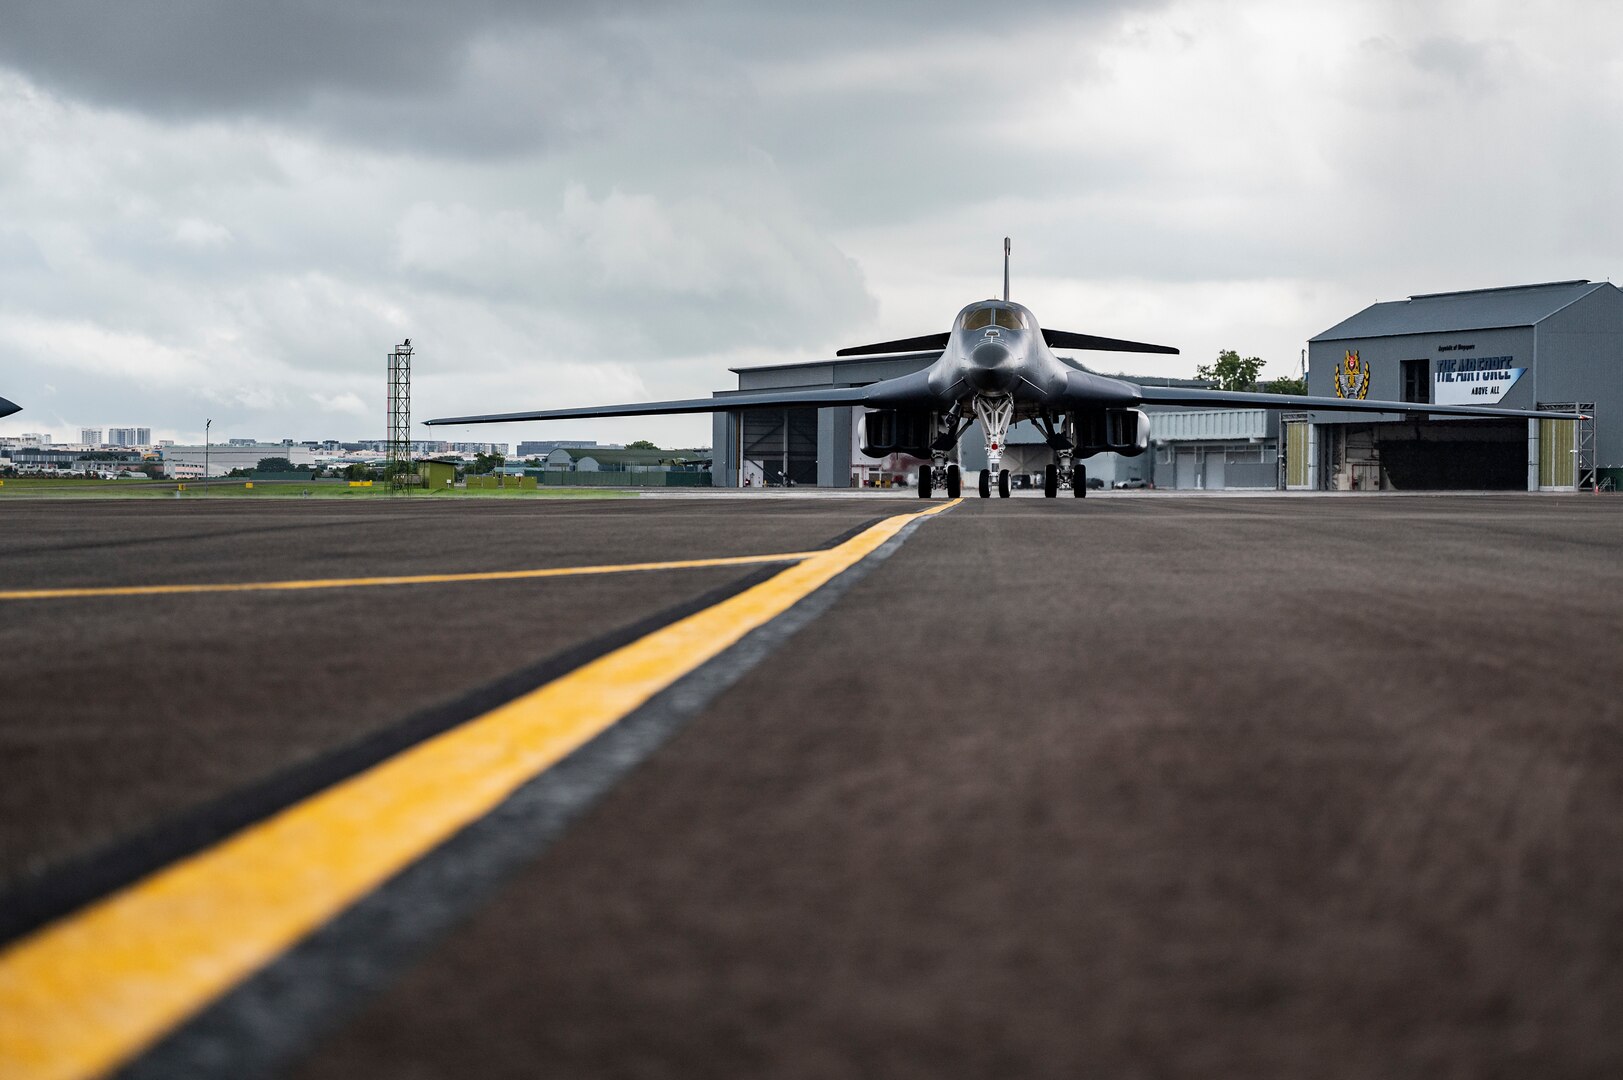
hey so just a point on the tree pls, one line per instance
(1231, 371)
(1284, 386)
(357, 471)
(641, 444)
(274, 464)
(486, 463)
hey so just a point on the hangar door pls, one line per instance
(1453, 455)
(1557, 462)
(775, 443)
(1297, 461)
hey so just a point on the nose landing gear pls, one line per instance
(994, 411)
(1002, 483)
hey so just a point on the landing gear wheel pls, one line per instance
(1079, 482)
(924, 482)
(986, 484)
(1003, 483)
(955, 482)
(1050, 481)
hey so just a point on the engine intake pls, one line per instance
(1115, 431)
(896, 431)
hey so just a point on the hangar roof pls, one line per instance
(1474, 309)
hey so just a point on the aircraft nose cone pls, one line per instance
(7, 408)
(990, 354)
(992, 367)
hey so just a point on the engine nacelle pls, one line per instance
(896, 431)
(1116, 431)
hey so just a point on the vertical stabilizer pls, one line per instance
(1005, 269)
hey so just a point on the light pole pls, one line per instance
(206, 425)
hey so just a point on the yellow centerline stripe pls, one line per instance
(414, 579)
(88, 992)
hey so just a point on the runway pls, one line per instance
(1131, 785)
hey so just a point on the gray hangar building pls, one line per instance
(755, 447)
(1557, 345)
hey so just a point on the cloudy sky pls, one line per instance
(234, 210)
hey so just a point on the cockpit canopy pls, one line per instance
(993, 315)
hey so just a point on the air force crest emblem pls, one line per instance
(1352, 377)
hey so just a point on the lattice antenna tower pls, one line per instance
(397, 465)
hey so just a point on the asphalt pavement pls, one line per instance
(1127, 786)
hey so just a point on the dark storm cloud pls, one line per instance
(479, 77)
(197, 57)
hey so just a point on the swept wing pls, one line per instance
(905, 390)
(1174, 395)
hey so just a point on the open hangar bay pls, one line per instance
(1276, 786)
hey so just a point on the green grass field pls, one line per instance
(39, 487)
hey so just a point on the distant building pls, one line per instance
(129, 436)
(243, 442)
(546, 446)
(39, 459)
(90, 436)
(97, 463)
(416, 446)
(233, 455)
(619, 459)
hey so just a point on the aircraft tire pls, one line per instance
(924, 482)
(1003, 483)
(1079, 482)
(986, 484)
(955, 482)
(1050, 481)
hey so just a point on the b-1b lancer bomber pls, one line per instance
(997, 365)
(7, 407)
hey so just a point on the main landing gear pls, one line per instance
(1058, 477)
(946, 477)
(938, 475)
(1062, 473)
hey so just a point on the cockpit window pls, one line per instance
(980, 318)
